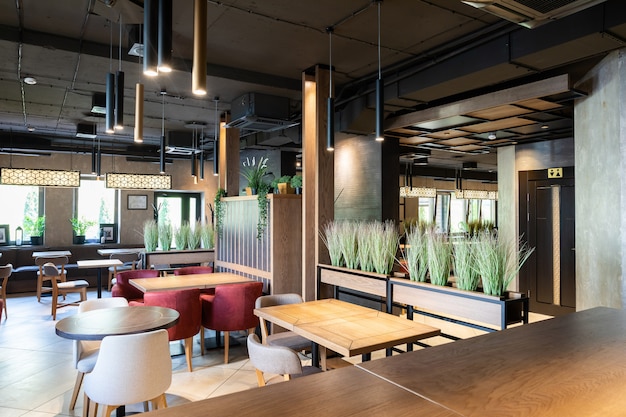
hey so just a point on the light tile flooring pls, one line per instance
(37, 374)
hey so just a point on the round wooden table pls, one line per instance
(115, 321)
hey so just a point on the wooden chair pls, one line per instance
(129, 259)
(283, 338)
(62, 287)
(59, 261)
(275, 360)
(5, 273)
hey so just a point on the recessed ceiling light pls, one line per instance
(30, 129)
(30, 80)
(492, 136)
(545, 126)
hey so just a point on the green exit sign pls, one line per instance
(555, 172)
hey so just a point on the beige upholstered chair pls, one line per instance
(59, 261)
(130, 369)
(5, 273)
(129, 259)
(283, 338)
(60, 286)
(86, 351)
(276, 360)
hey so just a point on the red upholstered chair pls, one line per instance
(230, 309)
(122, 287)
(187, 303)
(190, 270)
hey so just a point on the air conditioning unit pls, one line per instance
(260, 113)
(180, 143)
(86, 130)
(532, 13)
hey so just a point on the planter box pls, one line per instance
(367, 282)
(497, 312)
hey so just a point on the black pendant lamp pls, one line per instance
(119, 100)
(165, 36)
(330, 127)
(110, 103)
(380, 91)
(162, 147)
(150, 37)
(216, 142)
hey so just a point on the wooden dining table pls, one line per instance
(180, 282)
(345, 328)
(98, 264)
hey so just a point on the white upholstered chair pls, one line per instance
(130, 369)
(86, 351)
(283, 338)
(275, 360)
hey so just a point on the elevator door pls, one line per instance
(550, 274)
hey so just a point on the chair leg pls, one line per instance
(54, 303)
(108, 409)
(86, 402)
(159, 402)
(202, 340)
(77, 384)
(189, 352)
(259, 378)
(39, 284)
(226, 345)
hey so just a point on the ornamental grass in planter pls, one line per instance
(208, 236)
(467, 276)
(416, 254)
(498, 261)
(195, 236)
(165, 236)
(384, 240)
(364, 246)
(330, 237)
(439, 258)
(348, 242)
(150, 235)
(181, 235)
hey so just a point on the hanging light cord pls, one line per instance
(330, 60)
(110, 46)
(120, 46)
(162, 113)
(379, 69)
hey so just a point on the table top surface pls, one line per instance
(115, 321)
(181, 282)
(341, 392)
(51, 253)
(98, 263)
(346, 328)
(107, 252)
(566, 366)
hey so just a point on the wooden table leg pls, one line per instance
(322, 350)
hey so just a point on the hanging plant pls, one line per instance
(219, 210)
(263, 207)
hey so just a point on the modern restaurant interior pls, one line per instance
(497, 112)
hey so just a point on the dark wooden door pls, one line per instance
(547, 222)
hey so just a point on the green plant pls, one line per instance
(81, 225)
(181, 235)
(254, 173)
(208, 236)
(296, 181)
(274, 185)
(263, 206)
(467, 277)
(348, 242)
(416, 254)
(330, 237)
(285, 179)
(498, 261)
(364, 246)
(150, 235)
(195, 236)
(219, 209)
(165, 236)
(35, 226)
(439, 256)
(384, 237)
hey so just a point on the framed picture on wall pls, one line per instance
(110, 232)
(4, 234)
(137, 202)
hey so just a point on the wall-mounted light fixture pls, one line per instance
(198, 75)
(138, 181)
(40, 177)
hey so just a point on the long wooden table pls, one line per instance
(98, 264)
(180, 282)
(345, 328)
(341, 392)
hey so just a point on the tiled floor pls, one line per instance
(37, 374)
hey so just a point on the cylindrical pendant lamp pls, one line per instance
(198, 76)
(99, 161)
(380, 109)
(162, 156)
(165, 36)
(150, 36)
(110, 103)
(201, 162)
(94, 169)
(216, 158)
(194, 167)
(138, 137)
(119, 100)
(330, 134)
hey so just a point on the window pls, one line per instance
(176, 208)
(25, 203)
(95, 203)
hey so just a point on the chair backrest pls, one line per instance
(122, 287)
(127, 258)
(5, 272)
(130, 369)
(273, 359)
(190, 270)
(233, 306)
(187, 303)
(81, 346)
(275, 300)
(59, 261)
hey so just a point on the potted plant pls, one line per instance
(80, 227)
(284, 186)
(195, 236)
(150, 235)
(35, 228)
(219, 210)
(181, 236)
(208, 236)
(296, 183)
(165, 236)
(254, 173)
